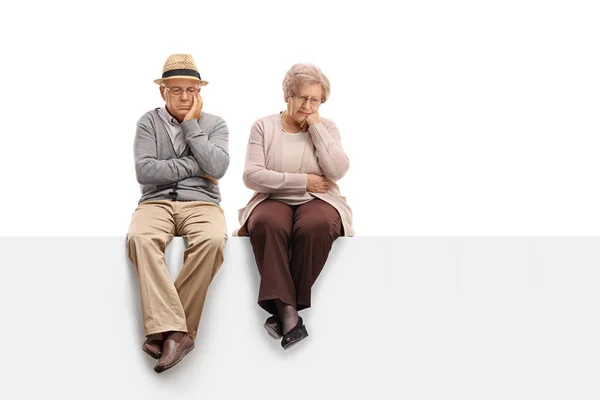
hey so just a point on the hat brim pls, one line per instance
(191, 78)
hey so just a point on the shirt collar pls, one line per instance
(168, 118)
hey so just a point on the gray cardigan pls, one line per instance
(163, 175)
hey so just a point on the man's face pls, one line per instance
(178, 104)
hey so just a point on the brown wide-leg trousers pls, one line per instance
(168, 306)
(291, 245)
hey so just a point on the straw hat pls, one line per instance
(180, 66)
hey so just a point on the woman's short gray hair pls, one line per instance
(304, 74)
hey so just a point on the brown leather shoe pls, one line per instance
(153, 347)
(174, 348)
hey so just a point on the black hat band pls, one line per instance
(185, 72)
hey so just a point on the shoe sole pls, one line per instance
(272, 332)
(150, 353)
(185, 353)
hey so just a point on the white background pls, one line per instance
(459, 118)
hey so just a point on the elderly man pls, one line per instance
(180, 152)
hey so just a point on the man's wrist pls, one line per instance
(189, 126)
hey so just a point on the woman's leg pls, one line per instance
(270, 227)
(316, 225)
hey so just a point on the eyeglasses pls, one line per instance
(177, 91)
(313, 102)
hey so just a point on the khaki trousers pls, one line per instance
(168, 306)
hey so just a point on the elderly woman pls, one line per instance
(293, 160)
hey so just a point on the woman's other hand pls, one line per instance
(316, 183)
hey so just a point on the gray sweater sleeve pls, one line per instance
(208, 140)
(151, 171)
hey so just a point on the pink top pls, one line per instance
(263, 163)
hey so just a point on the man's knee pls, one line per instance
(211, 240)
(137, 237)
(145, 238)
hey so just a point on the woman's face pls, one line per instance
(305, 102)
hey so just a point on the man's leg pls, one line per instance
(152, 228)
(204, 226)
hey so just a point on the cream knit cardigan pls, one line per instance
(263, 163)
